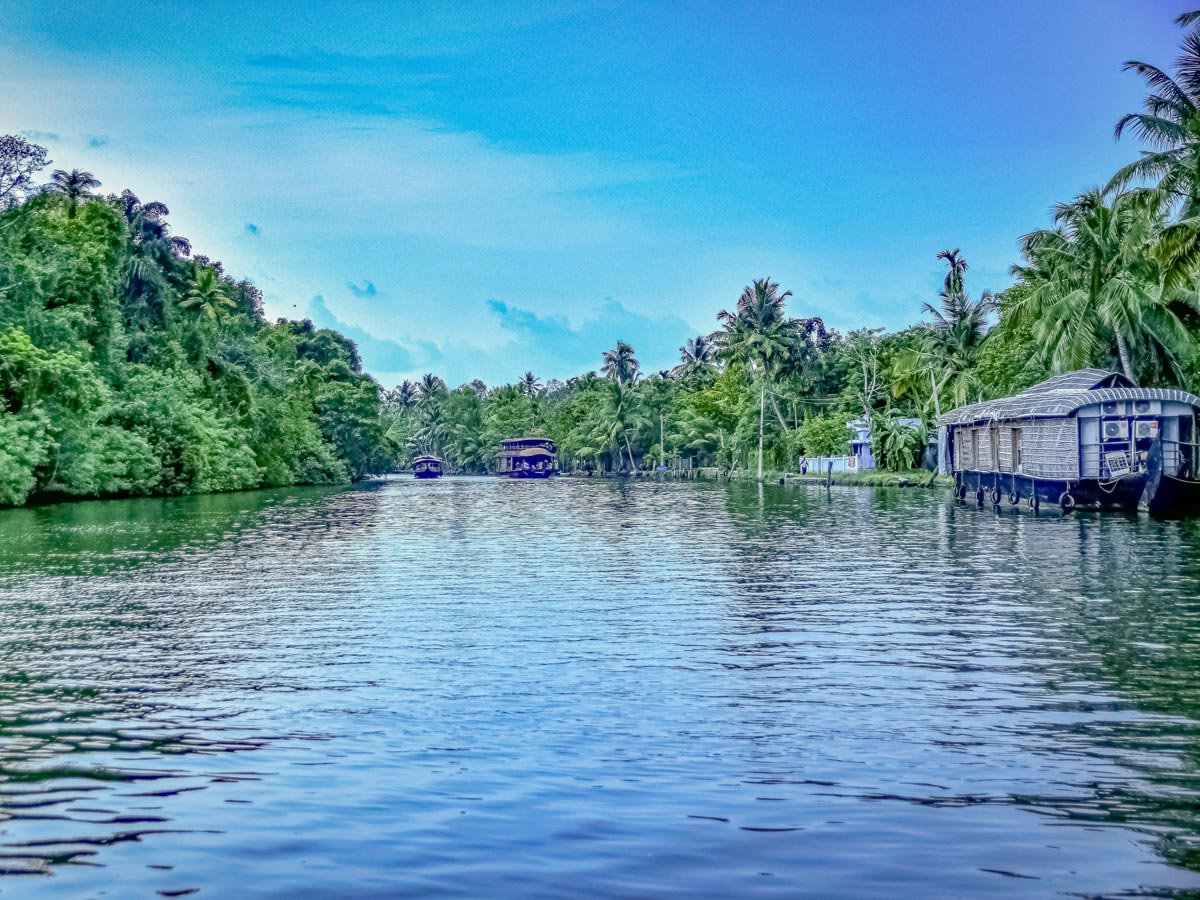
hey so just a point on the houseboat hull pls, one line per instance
(529, 473)
(426, 473)
(1166, 497)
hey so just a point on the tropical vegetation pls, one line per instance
(130, 365)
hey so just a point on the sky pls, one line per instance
(481, 189)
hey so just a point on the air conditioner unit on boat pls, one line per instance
(1147, 407)
(1112, 407)
(1145, 428)
(1115, 429)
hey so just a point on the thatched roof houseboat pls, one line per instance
(427, 467)
(526, 458)
(1087, 438)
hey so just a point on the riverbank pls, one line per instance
(911, 478)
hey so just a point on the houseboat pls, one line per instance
(1086, 439)
(526, 458)
(427, 467)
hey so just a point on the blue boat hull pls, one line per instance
(1160, 495)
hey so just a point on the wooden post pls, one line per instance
(762, 405)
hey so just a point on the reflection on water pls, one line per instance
(482, 688)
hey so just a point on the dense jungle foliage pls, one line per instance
(129, 365)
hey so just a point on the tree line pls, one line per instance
(131, 365)
(1112, 283)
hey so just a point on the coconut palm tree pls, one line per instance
(530, 385)
(430, 388)
(403, 397)
(612, 420)
(758, 329)
(695, 356)
(1093, 286)
(947, 349)
(759, 335)
(1170, 125)
(75, 185)
(206, 295)
(620, 365)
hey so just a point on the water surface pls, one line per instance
(481, 688)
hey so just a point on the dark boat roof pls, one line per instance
(425, 459)
(527, 441)
(1061, 396)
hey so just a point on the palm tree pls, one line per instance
(75, 185)
(430, 388)
(612, 420)
(758, 330)
(206, 294)
(148, 227)
(948, 347)
(759, 335)
(1170, 125)
(956, 266)
(529, 384)
(1093, 284)
(403, 397)
(695, 356)
(620, 364)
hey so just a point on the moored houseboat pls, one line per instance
(427, 467)
(526, 458)
(1087, 439)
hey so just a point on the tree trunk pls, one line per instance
(629, 450)
(1123, 350)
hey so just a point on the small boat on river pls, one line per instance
(1087, 439)
(526, 458)
(427, 467)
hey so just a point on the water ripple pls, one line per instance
(596, 688)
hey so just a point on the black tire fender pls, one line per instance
(1066, 501)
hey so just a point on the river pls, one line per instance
(483, 688)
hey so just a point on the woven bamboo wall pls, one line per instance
(1050, 448)
(1006, 460)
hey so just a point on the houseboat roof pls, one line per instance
(1061, 396)
(526, 452)
(527, 442)
(425, 458)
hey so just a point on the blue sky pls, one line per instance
(478, 189)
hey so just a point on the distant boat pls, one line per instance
(427, 467)
(526, 458)
(1087, 438)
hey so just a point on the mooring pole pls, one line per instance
(762, 405)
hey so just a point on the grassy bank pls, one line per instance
(911, 478)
